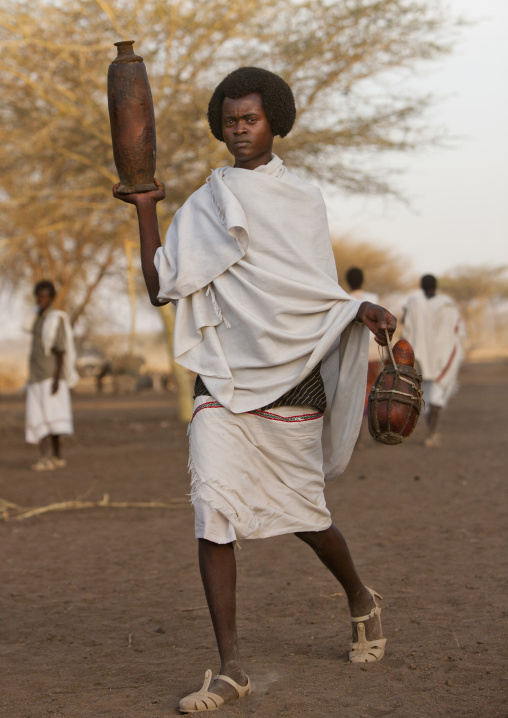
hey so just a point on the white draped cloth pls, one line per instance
(47, 413)
(249, 264)
(49, 332)
(256, 474)
(434, 328)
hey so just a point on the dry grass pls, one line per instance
(9, 511)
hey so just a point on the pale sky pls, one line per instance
(459, 205)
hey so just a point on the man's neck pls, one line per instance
(255, 162)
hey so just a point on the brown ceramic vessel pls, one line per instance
(132, 121)
(394, 404)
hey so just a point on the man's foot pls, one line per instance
(214, 693)
(58, 462)
(43, 464)
(364, 605)
(226, 690)
(367, 648)
(432, 440)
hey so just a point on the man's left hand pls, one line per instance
(377, 319)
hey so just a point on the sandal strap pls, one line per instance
(241, 690)
(375, 611)
(206, 683)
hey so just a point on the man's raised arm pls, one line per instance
(146, 207)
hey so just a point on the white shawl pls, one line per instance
(249, 264)
(434, 327)
(48, 336)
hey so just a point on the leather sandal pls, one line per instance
(43, 464)
(205, 700)
(433, 440)
(58, 462)
(363, 651)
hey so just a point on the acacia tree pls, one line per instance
(385, 272)
(477, 291)
(58, 218)
(344, 60)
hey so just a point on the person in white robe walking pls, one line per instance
(281, 355)
(433, 325)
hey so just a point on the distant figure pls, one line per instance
(354, 278)
(52, 372)
(433, 325)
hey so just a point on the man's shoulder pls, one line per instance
(199, 199)
(299, 181)
(57, 314)
(442, 300)
(197, 195)
(416, 298)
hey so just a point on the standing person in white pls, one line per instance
(52, 372)
(432, 324)
(281, 356)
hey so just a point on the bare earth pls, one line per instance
(103, 611)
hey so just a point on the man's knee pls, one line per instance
(213, 547)
(312, 538)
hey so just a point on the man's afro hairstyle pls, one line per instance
(45, 285)
(276, 95)
(428, 281)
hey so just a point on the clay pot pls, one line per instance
(132, 120)
(394, 404)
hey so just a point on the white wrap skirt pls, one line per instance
(256, 474)
(435, 394)
(46, 413)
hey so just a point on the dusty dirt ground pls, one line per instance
(102, 611)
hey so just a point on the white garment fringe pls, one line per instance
(218, 312)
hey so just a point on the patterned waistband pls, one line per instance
(264, 414)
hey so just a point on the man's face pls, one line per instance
(43, 299)
(246, 131)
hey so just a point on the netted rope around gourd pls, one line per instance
(379, 393)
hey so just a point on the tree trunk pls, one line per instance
(183, 377)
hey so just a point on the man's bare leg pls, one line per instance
(45, 461)
(55, 443)
(433, 418)
(45, 447)
(331, 548)
(217, 564)
(432, 421)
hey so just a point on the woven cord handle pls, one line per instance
(390, 349)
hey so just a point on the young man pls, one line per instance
(52, 372)
(261, 319)
(432, 324)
